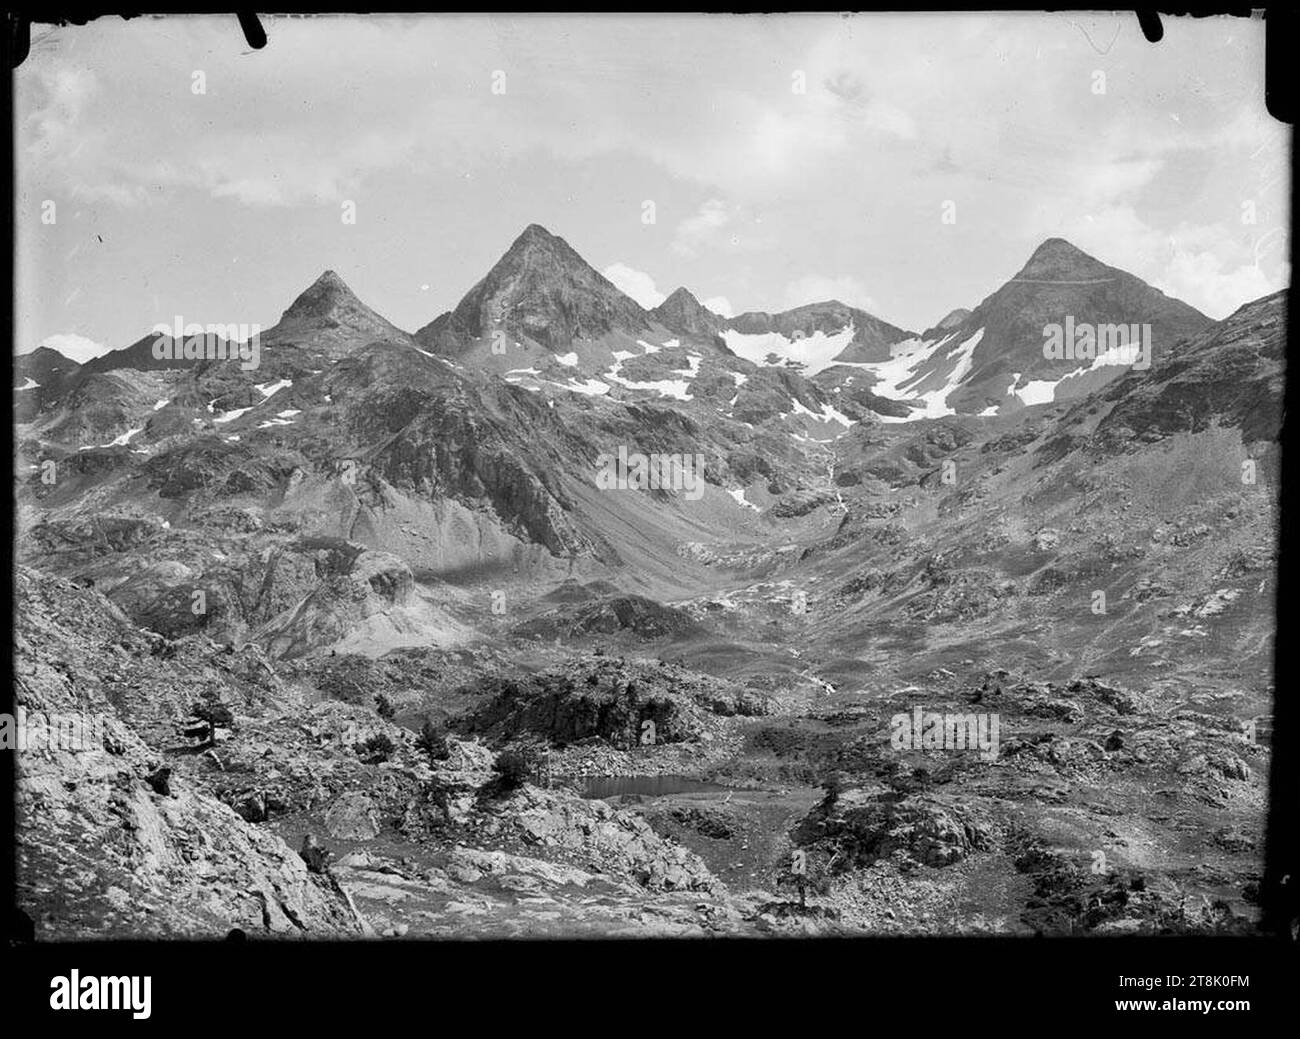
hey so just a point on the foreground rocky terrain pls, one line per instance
(376, 657)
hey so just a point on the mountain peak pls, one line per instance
(535, 231)
(332, 279)
(326, 294)
(1057, 259)
(49, 355)
(681, 296)
(1059, 284)
(1056, 243)
(682, 312)
(536, 245)
(329, 316)
(541, 289)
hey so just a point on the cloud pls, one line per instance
(1100, 182)
(59, 96)
(750, 177)
(890, 119)
(637, 284)
(73, 346)
(1207, 265)
(718, 225)
(702, 227)
(875, 114)
(641, 287)
(815, 288)
(83, 118)
(1212, 286)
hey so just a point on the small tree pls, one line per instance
(315, 857)
(209, 715)
(795, 874)
(804, 873)
(433, 740)
(833, 784)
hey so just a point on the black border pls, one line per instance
(869, 982)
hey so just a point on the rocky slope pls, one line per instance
(115, 840)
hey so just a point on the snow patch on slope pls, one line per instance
(898, 371)
(119, 441)
(811, 353)
(1043, 391)
(678, 389)
(268, 389)
(739, 495)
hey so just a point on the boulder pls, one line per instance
(353, 818)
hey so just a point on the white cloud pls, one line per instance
(702, 227)
(1203, 280)
(720, 305)
(1099, 182)
(637, 284)
(718, 225)
(750, 178)
(73, 346)
(876, 114)
(59, 96)
(887, 118)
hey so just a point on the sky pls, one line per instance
(904, 164)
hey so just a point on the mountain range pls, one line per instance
(545, 317)
(388, 529)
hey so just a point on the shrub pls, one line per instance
(349, 678)
(433, 740)
(377, 748)
(384, 706)
(517, 765)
